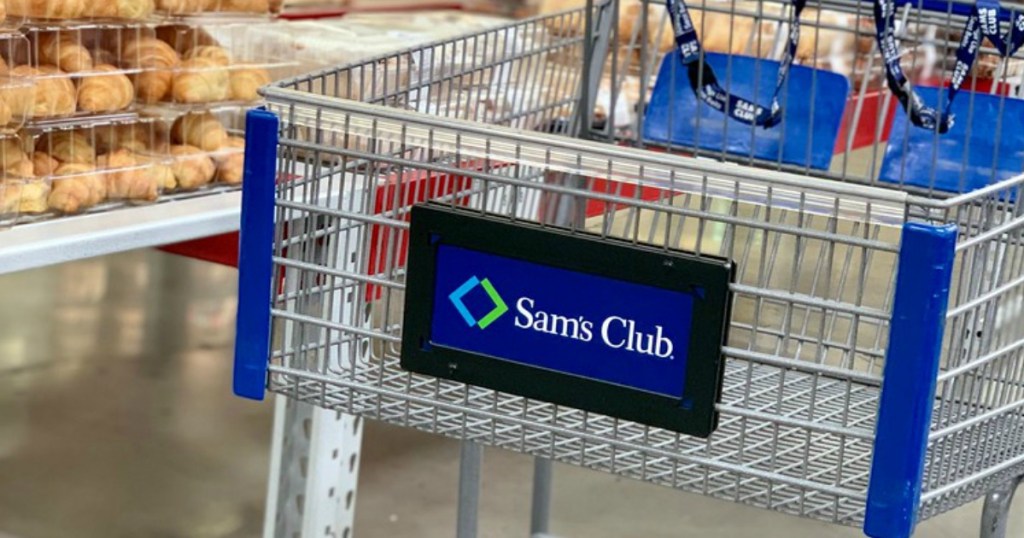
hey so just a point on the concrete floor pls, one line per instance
(117, 420)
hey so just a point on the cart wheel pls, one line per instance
(997, 509)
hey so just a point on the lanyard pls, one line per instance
(982, 21)
(705, 84)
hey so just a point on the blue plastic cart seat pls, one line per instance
(806, 136)
(969, 156)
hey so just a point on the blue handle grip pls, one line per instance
(255, 255)
(908, 387)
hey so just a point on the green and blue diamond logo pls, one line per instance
(499, 305)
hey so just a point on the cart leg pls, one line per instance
(314, 471)
(540, 509)
(997, 509)
(470, 461)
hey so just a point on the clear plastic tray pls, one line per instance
(99, 71)
(224, 65)
(17, 92)
(33, 12)
(79, 71)
(119, 161)
(50, 11)
(239, 7)
(207, 148)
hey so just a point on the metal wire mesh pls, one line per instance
(483, 121)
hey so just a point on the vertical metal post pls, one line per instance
(540, 507)
(315, 455)
(995, 515)
(316, 469)
(470, 461)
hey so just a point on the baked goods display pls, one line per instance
(192, 7)
(112, 69)
(70, 171)
(104, 104)
(129, 10)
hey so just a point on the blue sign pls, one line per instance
(587, 322)
(585, 325)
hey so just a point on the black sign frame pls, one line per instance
(695, 414)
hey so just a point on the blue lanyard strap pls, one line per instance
(982, 21)
(705, 84)
(987, 12)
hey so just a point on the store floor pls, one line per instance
(116, 420)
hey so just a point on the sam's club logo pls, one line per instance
(499, 305)
(614, 331)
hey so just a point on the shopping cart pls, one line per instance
(873, 373)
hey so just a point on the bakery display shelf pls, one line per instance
(55, 12)
(40, 241)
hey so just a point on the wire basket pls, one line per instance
(843, 267)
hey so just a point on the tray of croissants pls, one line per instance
(71, 170)
(15, 13)
(62, 74)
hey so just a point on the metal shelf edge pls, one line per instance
(73, 238)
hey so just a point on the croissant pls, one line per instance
(162, 175)
(192, 167)
(234, 142)
(44, 165)
(660, 35)
(23, 169)
(231, 168)
(68, 147)
(133, 137)
(16, 100)
(24, 196)
(245, 6)
(183, 37)
(105, 93)
(81, 188)
(158, 59)
(54, 93)
(65, 51)
(246, 82)
(120, 9)
(231, 165)
(9, 199)
(179, 7)
(48, 9)
(12, 156)
(103, 56)
(200, 130)
(127, 179)
(217, 55)
(200, 80)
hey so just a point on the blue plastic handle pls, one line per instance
(908, 386)
(255, 255)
